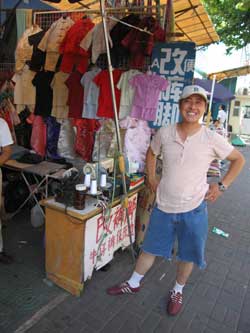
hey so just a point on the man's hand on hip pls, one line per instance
(213, 192)
(152, 183)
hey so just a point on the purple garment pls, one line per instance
(137, 140)
(147, 92)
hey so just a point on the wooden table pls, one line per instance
(77, 242)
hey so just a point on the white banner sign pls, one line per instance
(103, 236)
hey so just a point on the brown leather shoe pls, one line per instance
(174, 303)
(5, 258)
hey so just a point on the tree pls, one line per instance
(232, 21)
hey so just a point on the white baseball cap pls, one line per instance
(193, 90)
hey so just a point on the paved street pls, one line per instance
(216, 300)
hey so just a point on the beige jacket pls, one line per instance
(60, 96)
(24, 49)
(52, 39)
(96, 38)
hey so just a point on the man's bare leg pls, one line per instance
(144, 263)
(184, 270)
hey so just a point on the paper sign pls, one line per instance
(103, 236)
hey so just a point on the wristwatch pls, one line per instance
(222, 187)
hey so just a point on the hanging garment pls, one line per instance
(38, 136)
(140, 44)
(60, 108)
(85, 133)
(75, 96)
(23, 130)
(136, 141)
(24, 50)
(105, 106)
(118, 52)
(95, 39)
(24, 91)
(37, 60)
(44, 93)
(147, 92)
(52, 39)
(127, 92)
(66, 139)
(73, 54)
(105, 140)
(53, 130)
(91, 94)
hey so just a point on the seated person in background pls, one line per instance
(216, 126)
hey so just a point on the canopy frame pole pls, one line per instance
(210, 101)
(118, 136)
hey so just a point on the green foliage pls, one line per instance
(232, 21)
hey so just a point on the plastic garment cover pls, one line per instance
(137, 140)
(65, 147)
(53, 130)
(38, 135)
(105, 141)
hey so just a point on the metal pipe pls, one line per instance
(210, 101)
(110, 70)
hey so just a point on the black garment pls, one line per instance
(118, 52)
(38, 57)
(23, 130)
(44, 93)
(30, 158)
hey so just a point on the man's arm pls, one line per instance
(237, 162)
(5, 155)
(151, 170)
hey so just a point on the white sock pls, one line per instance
(135, 280)
(178, 287)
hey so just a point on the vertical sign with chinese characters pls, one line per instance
(103, 236)
(174, 61)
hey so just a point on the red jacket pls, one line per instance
(73, 37)
(73, 54)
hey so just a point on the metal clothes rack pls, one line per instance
(45, 18)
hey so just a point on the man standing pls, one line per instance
(187, 150)
(222, 115)
(5, 144)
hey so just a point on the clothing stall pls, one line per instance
(90, 89)
(61, 85)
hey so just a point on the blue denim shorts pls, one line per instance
(189, 228)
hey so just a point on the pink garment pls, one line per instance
(147, 93)
(137, 140)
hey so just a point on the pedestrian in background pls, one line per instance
(222, 115)
(187, 149)
(5, 146)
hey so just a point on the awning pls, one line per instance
(234, 72)
(221, 94)
(191, 19)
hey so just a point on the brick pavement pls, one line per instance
(216, 300)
